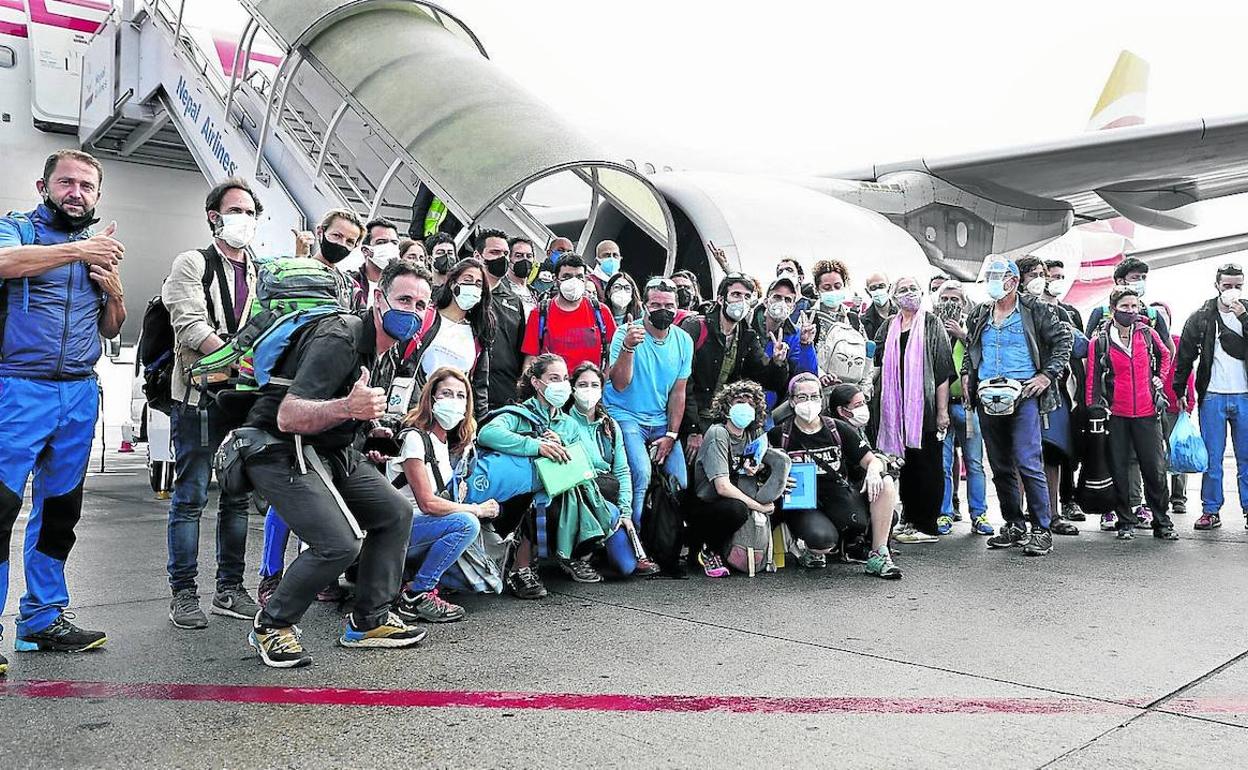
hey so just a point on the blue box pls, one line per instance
(803, 495)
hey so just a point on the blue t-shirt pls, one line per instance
(657, 365)
(1005, 351)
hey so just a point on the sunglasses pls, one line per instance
(662, 284)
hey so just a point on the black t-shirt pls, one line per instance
(324, 362)
(838, 463)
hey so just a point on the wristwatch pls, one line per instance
(672, 435)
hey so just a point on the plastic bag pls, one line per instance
(1187, 448)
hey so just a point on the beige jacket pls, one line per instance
(183, 295)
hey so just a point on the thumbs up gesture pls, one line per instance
(365, 402)
(102, 249)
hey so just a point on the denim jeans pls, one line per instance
(193, 464)
(636, 440)
(1013, 444)
(437, 541)
(965, 434)
(1216, 411)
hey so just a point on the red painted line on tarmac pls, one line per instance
(509, 701)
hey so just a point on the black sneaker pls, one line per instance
(61, 636)
(4, 666)
(427, 606)
(1039, 543)
(579, 570)
(184, 610)
(1072, 512)
(279, 647)
(1165, 533)
(525, 584)
(1060, 526)
(1008, 536)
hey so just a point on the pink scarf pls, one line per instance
(901, 414)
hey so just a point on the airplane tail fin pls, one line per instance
(1123, 101)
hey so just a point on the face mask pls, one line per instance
(949, 309)
(572, 289)
(910, 302)
(621, 297)
(609, 266)
(521, 268)
(237, 230)
(1035, 287)
(65, 222)
(833, 299)
(807, 411)
(400, 325)
(467, 296)
(333, 252)
(736, 310)
(661, 319)
(1125, 317)
(449, 412)
(792, 276)
(587, 397)
(1230, 297)
(557, 393)
(996, 288)
(778, 310)
(1138, 286)
(859, 416)
(442, 263)
(879, 297)
(741, 415)
(497, 267)
(1058, 287)
(684, 297)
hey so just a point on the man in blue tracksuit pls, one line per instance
(60, 291)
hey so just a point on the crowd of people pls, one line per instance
(461, 419)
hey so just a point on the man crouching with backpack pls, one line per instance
(208, 295)
(316, 404)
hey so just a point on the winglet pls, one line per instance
(1123, 101)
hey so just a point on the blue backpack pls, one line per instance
(491, 475)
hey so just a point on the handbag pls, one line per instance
(999, 396)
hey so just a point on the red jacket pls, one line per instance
(1123, 382)
(1171, 396)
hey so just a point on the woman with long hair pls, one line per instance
(621, 295)
(438, 428)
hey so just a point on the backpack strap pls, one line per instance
(206, 281)
(604, 343)
(214, 262)
(543, 308)
(703, 331)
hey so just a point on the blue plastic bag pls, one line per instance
(1187, 448)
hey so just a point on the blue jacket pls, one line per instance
(49, 323)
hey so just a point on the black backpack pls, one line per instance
(157, 346)
(662, 528)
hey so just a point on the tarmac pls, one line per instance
(1103, 654)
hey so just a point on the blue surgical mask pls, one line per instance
(557, 393)
(401, 325)
(741, 415)
(996, 288)
(609, 265)
(833, 299)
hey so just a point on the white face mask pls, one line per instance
(587, 396)
(621, 297)
(860, 416)
(572, 289)
(383, 254)
(1138, 286)
(779, 310)
(1059, 287)
(467, 296)
(736, 310)
(1035, 287)
(237, 230)
(1230, 297)
(449, 412)
(556, 393)
(807, 411)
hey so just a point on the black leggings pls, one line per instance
(713, 524)
(923, 484)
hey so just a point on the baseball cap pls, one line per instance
(1002, 265)
(781, 282)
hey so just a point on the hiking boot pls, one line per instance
(1109, 522)
(61, 636)
(912, 535)
(524, 584)
(1039, 543)
(880, 563)
(944, 525)
(1009, 536)
(184, 611)
(812, 560)
(1165, 533)
(266, 588)
(1072, 512)
(1208, 521)
(579, 570)
(646, 567)
(391, 633)
(712, 565)
(426, 606)
(1144, 516)
(980, 526)
(279, 647)
(1060, 526)
(234, 602)
(1126, 533)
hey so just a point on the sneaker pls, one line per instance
(234, 602)
(126, 448)
(1145, 516)
(266, 588)
(1039, 543)
(1180, 509)
(279, 647)
(1060, 526)
(1208, 521)
(579, 570)
(712, 565)
(646, 567)
(4, 666)
(391, 633)
(1166, 533)
(334, 593)
(1009, 536)
(1109, 522)
(956, 515)
(880, 563)
(856, 551)
(980, 526)
(184, 611)
(912, 535)
(426, 606)
(1072, 512)
(61, 636)
(1126, 533)
(525, 584)
(812, 560)
(944, 525)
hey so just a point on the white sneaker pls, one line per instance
(912, 535)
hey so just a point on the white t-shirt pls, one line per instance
(454, 346)
(413, 448)
(1228, 374)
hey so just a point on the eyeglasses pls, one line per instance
(802, 398)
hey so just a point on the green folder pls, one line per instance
(558, 478)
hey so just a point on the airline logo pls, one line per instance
(211, 134)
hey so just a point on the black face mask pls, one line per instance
(65, 222)
(442, 264)
(497, 267)
(333, 252)
(521, 268)
(684, 298)
(661, 319)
